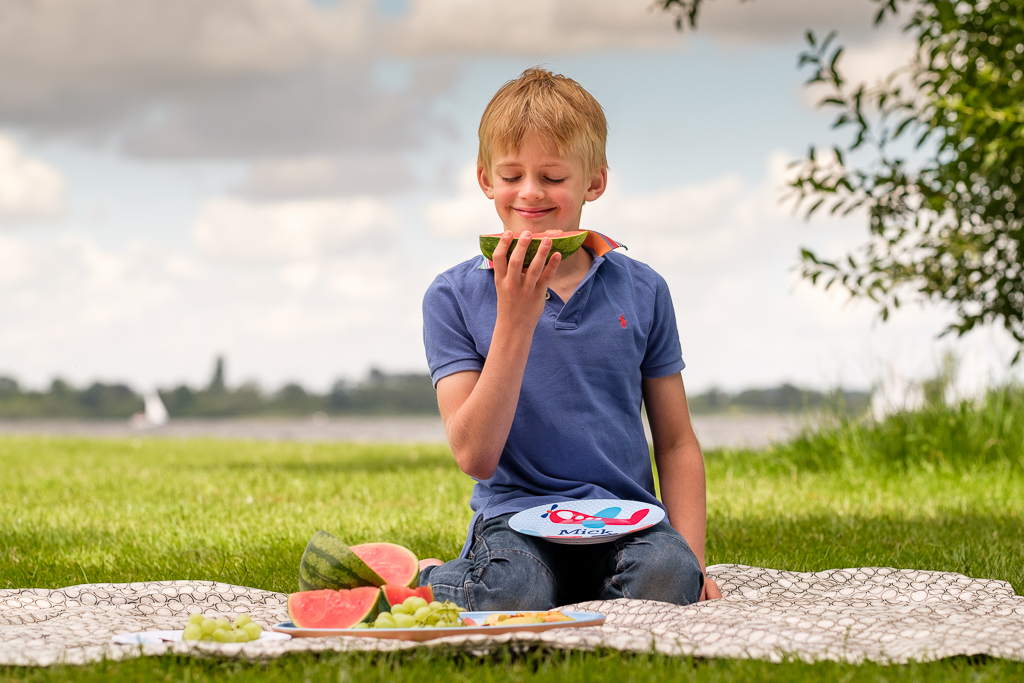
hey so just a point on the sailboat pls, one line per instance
(154, 414)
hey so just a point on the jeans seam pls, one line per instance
(547, 572)
(619, 554)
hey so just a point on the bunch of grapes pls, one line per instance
(221, 630)
(416, 612)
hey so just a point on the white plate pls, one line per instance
(148, 637)
(579, 620)
(582, 522)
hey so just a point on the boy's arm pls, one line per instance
(477, 407)
(680, 465)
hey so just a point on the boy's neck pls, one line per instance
(571, 272)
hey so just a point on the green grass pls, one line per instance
(940, 489)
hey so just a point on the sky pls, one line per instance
(279, 181)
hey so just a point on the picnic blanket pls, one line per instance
(852, 615)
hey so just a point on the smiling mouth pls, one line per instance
(533, 213)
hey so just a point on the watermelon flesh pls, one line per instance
(396, 595)
(395, 564)
(565, 243)
(332, 608)
(329, 563)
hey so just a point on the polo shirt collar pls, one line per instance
(599, 244)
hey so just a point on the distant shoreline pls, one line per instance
(715, 430)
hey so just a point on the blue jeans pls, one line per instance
(507, 570)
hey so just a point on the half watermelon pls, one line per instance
(395, 564)
(565, 243)
(333, 609)
(328, 563)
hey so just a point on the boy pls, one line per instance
(540, 373)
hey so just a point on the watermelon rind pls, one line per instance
(330, 608)
(395, 564)
(391, 595)
(566, 245)
(329, 563)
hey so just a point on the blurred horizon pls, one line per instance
(377, 394)
(278, 181)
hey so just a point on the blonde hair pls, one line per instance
(552, 105)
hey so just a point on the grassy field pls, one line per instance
(940, 489)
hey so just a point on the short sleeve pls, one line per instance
(664, 355)
(449, 344)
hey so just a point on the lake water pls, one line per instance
(714, 431)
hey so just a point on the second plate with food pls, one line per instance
(579, 620)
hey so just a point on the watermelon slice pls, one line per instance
(396, 565)
(396, 595)
(333, 609)
(329, 563)
(565, 243)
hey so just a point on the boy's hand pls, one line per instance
(711, 590)
(521, 293)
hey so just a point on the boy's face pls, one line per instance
(537, 189)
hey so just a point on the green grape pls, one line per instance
(432, 620)
(223, 623)
(436, 605)
(196, 618)
(192, 632)
(253, 629)
(421, 614)
(414, 603)
(241, 636)
(207, 637)
(404, 621)
(399, 609)
(241, 620)
(363, 624)
(209, 626)
(384, 620)
(222, 635)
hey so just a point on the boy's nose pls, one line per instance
(531, 189)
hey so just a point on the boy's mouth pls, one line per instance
(533, 213)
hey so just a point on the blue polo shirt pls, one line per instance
(577, 432)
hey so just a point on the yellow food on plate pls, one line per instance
(521, 618)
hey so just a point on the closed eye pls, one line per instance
(510, 180)
(554, 181)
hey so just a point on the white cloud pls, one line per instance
(467, 214)
(14, 260)
(531, 27)
(870, 64)
(694, 223)
(156, 316)
(287, 79)
(764, 21)
(319, 175)
(29, 188)
(239, 230)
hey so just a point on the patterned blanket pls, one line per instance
(852, 615)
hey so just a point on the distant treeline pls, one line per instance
(784, 399)
(379, 393)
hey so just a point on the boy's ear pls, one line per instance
(484, 179)
(598, 184)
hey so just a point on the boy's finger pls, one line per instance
(536, 267)
(549, 269)
(498, 257)
(515, 261)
